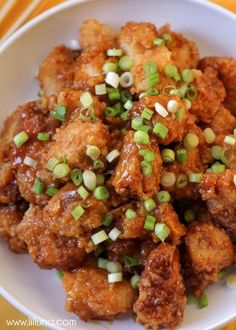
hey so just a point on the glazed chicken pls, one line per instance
(122, 175)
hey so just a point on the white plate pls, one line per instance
(36, 292)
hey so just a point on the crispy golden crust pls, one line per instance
(47, 249)
(209, 250)
(128, 178)
(161, 299)
(10, 217)
(229, 121)
(90, 296)
(226, 68)
(218, 190)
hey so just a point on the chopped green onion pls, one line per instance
(149, 222)
(160, 130)
(114, 52)
(52, 162)
(152, 91)
(172, 106)
(113, 79)
(203, 301)
(147, 154)
(130, 262)
(134, 281)
(141, 137)
(189, 215)
(111, 112)
(163, 196)
(41, 93)
(77, 212)
(30, 162)
(99, 237)
(100, 179)
(125, 96)
(128, 105)
(179, 115)
(209, 135)
(61, 170)
(191, 141)
(168, 179)
(171, 71)
(188, 104)
(149, 204)
(217, 168)
(38, 187)
(231, 281)
(142, 95)
(162, 231)
(167, 37)
(150, 68)
(100, 89)
(102, 263)
(115, 277)
(98, 163)
(167, 90)
(147, 113)
(51, 191)
(181, 155)
(222, 274)
(223, 157)
(114, 267)
(83, 192)
(191, 93)
(187, 76)
(195, 177)
(181, 181)
(136, 122)
(101, 193)
(89, 178)
(153, 79)
(126, 79)
(168, 155)
(114, 234)
(112, 155)
(230, 140)
(20, 138)
(113, 94)
(191, 299)
(109, 67)
(161, 110)
(125, 63)
(76, 176)
(144, 128)
(59, 112)
(43, 136)
(93, 152)
(158, 42)
(216, 152)
(60, 275)
(99, 250)
(86, 100)
(130, 214)
(146, 168)
(107, 219)
(124, 116)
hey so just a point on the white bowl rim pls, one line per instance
(7, 43)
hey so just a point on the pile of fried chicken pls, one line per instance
(122, 174)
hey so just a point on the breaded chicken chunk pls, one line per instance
(218, 190)
(226, 68)
(90, 296)
(161, 299)
(211, 94)
(47, 249)
(10, 217)
(229, 121)
(129, 178)
(209, 250)
(57, 70)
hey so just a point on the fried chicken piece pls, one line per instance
(226, 68)
(90, 296)
(211, 94)
(120, 248)
(93, 32)
(57, 213)
(161, 299)
(57, 70)
(229, 121)
(176, 128)
(185, 53)
(47, 249)
(218, 190)
(10, 217)
(79, 135)
(209, 250)
(128, 178)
